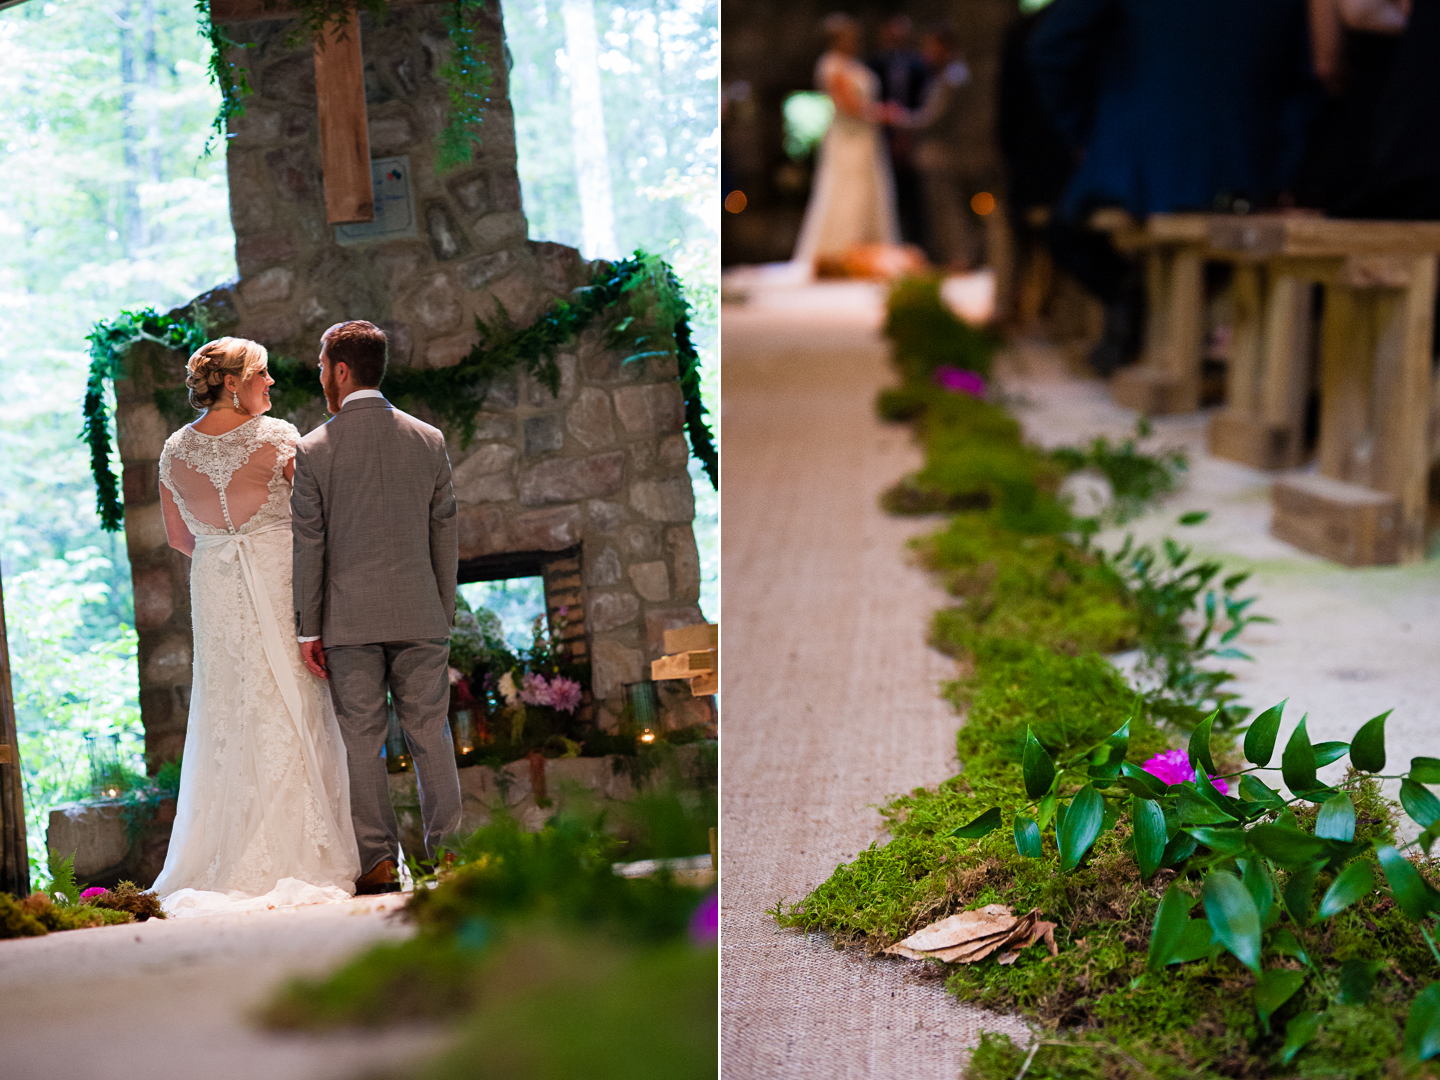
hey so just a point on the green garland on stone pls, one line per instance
(465, 74)
(108, 341)
(641, 294)
(229, 78)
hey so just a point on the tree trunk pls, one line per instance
(587, 121)
(134, 230)
(152, 94)
(14, 856)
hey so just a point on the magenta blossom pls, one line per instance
(1173, 767)
(89, 893)
(564, 693)
(959, 381)
(705, 923)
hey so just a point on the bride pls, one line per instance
(853, 197)
(263, 818)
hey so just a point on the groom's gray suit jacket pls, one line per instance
(376, 541)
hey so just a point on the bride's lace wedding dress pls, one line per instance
(264, 810)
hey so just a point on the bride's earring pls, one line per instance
(235, 399)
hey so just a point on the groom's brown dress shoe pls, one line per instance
(383, 879)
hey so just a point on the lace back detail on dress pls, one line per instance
(233, 482)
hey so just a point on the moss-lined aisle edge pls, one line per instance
(1037, 610)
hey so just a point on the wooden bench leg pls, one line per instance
(1403, 344)
(1346, 384)
(1167, 380)
(1262, 424)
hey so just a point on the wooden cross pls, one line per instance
(340, 100)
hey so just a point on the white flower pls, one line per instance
(507, 688)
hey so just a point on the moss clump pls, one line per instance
(127, 896)
(520, 932)
(926, 334)
(1040, 589)
(38, 914)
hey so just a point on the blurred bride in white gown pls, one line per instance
(852, 199)
(263, 818)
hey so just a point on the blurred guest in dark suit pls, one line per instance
(1403, 178)
(1354, 44)
(902, 73)
(1168, 106)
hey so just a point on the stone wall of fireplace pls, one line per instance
(593, 479)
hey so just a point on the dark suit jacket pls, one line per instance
(376, 540)
(1174, 103)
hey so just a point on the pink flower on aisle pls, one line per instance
(564, 693)
(705, 922)
(91, 893)
(534, 690)
(1173, 767)
(959, 381)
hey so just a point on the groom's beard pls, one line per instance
(332, 392)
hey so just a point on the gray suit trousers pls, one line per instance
(417, 675)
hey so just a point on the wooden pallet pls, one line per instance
(692, 653)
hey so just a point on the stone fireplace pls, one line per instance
(588, 488)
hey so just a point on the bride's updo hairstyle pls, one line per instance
(214, 360)
(836, 25)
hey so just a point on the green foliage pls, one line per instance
(1136, 479)
(467, 79)
(39, 914)
(62, 879)
(228, 77)
(925, 334)
(73, 676)
(1204, 933)
(522, 919)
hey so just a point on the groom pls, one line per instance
(375, 562)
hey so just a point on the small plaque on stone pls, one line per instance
(394, 205)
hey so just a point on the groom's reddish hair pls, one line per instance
(360, 346)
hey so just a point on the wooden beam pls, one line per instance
(14, 856)
(344, 140)
(235, 11)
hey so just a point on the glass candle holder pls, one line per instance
(397, 755)
(644, 706)
(107, 776)
(462, 730)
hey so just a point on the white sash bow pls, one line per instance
(233, 546)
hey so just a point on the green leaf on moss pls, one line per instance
(1355, 881)
(1081, 826)
(1425, 770)
(1260, 736)
(1336, 820)
(1200, 745)
(1274, 987)
(1037, 766)
(1422, 1026)
(1367, 751)
(1027, 838)
(1233, 917)
(983, 825)
(1297, 763)
(1299, 1031)
(1148, 821)
(1416, 896)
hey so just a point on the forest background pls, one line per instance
(109, 203)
